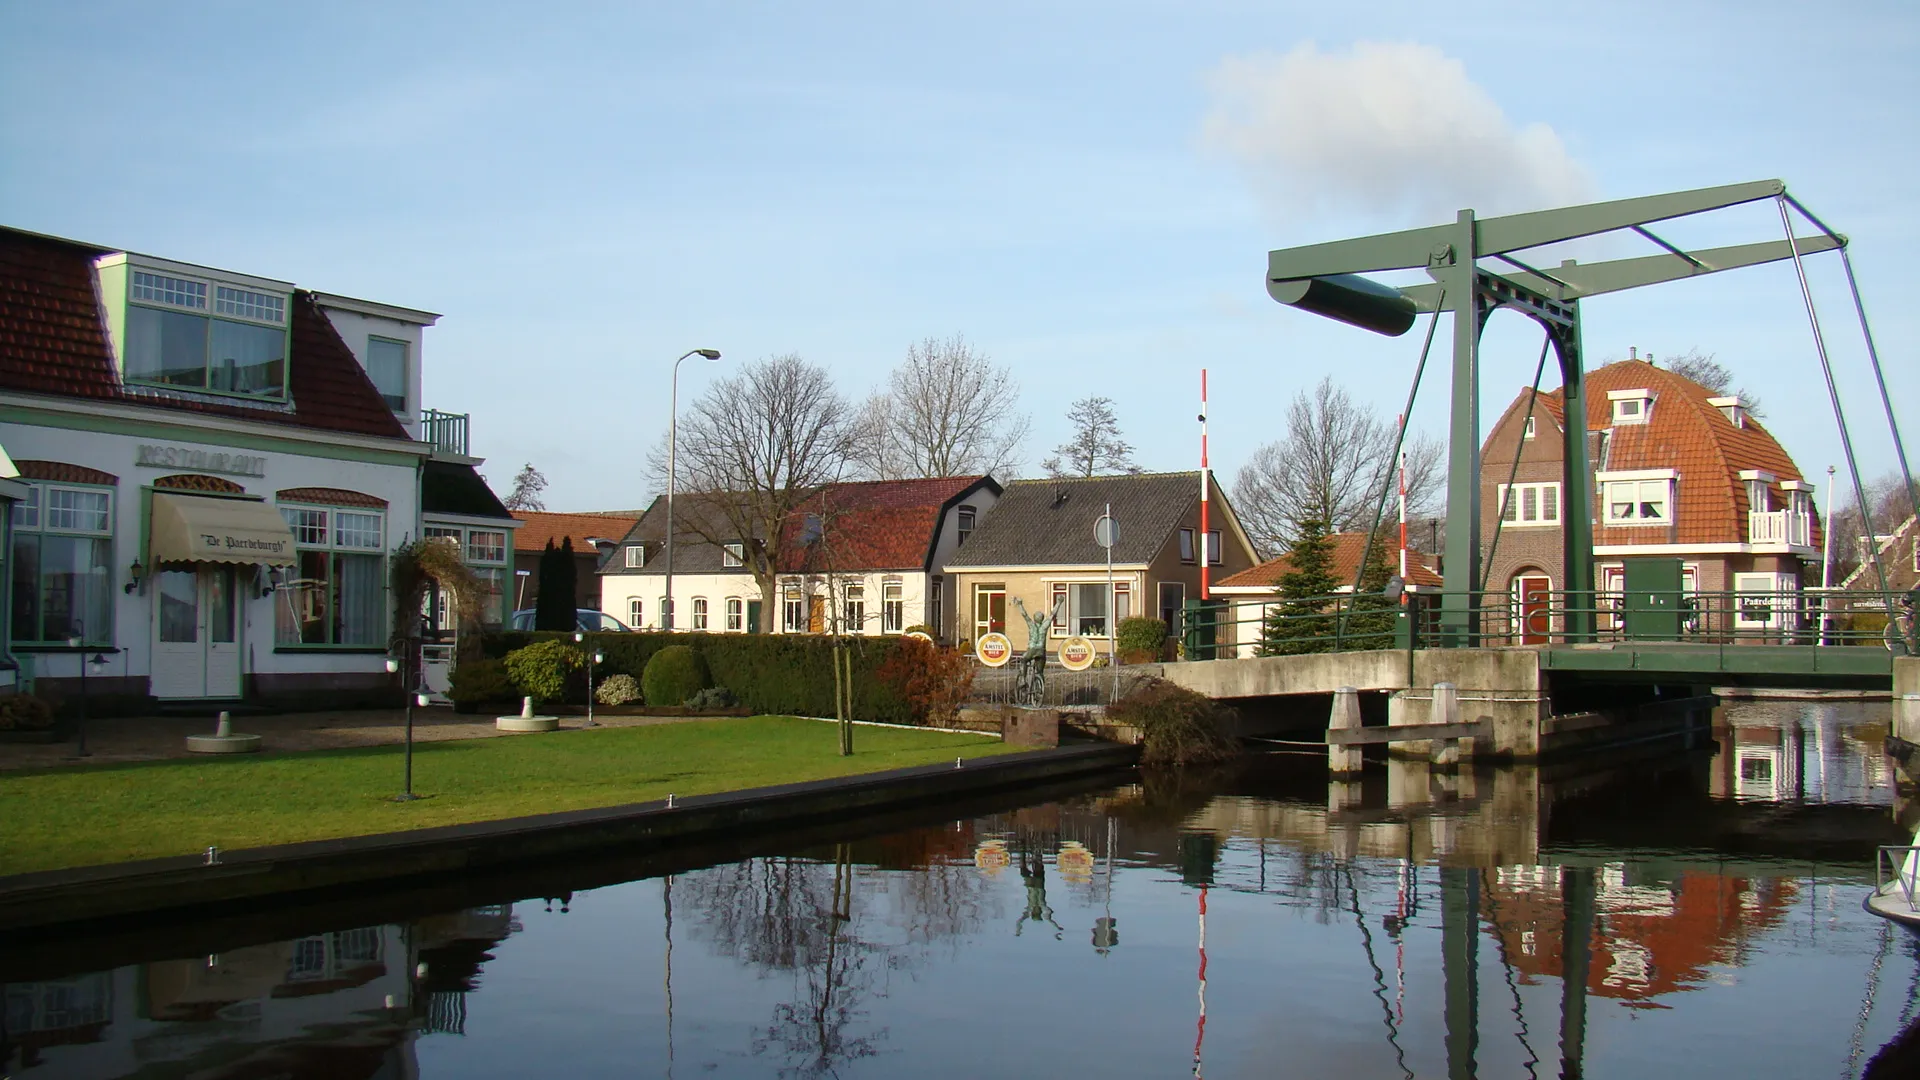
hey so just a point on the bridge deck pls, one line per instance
(1733, 664)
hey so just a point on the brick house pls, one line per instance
(1678, 472)
(1037, 546)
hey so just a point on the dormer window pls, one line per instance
(1631, 406)
(1758, 483)
(636, 556)
(964, 527)
(185, 328)
(1732, 408)
(732, 555)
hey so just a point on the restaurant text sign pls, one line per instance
(159, 456)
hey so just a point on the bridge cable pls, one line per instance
(1833, 393)
(1873, 353)
(1533, 393)
(1386, 475)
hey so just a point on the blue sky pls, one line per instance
(1086, 191)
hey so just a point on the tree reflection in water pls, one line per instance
(837, 928)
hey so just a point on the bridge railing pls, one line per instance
(1345, 622)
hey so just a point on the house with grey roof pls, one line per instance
(1037, 546)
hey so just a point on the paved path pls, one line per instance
(156, 738)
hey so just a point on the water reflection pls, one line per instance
(1605, 918)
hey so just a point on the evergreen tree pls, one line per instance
(1300, 623)
(553, 610)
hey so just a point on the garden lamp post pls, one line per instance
(673, 421)
(96, 661)
(407, 684)
(594, 656)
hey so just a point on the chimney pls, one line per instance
(1633, 352)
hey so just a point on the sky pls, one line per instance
(1086, 192)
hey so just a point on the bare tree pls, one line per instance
(1890, 505)
(1096, 448)
(947, 410)
(756, 446)
(1704, 369)
(1332, 465)
(528, 483)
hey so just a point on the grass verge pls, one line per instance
(88, 815)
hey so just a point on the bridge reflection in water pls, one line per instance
(1621, 918)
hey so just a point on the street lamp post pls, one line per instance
(673, 421)
(594, 656)
(409, 682)
(98, 660)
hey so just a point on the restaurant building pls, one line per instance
(217, 467)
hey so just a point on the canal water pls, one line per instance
(1668, 915)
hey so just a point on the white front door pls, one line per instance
(196, 649)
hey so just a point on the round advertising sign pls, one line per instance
(1077, 653)
(994, 650)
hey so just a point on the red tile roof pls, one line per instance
(330, 497)
(874, 524)
(1695, 439)
(1348, 548)
(53, 340)
(60, 472)
(538, 526)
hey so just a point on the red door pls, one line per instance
(1536, 619)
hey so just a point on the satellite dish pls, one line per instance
(1394, 588)
(1106, 531)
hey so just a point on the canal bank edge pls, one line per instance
(154, 886)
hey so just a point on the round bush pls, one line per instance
(712, 699)
(540, 670)
(24, 712)
(617, 690)
(1141, 633)
(480, 682)
(1177, 726)
(673, 675)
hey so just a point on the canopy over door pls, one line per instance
(200, 529)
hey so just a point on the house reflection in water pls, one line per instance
(343, 1005)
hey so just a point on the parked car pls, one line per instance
(598, 622)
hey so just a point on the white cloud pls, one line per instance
(1383, 128)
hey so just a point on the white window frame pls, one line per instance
(1611, 482)
(893, 607)
(636, 556)
(793, 610)
(736, 615)
(1529, 431)
(1781, 591)
(215, 300)
(699, 613)
(853, 607)
(636, 612)
(1513, 516)
(34, 517)
(733, 555)
(1631, 406)
(1068, 591)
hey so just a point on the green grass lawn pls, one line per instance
(87, 815)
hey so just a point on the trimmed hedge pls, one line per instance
(780, 674)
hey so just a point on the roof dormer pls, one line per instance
(1732, 408)
(196, 329)
(1631, 406)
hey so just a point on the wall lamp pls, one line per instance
(136, 578)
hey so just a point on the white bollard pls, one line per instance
(225, 727)
(1344, 760)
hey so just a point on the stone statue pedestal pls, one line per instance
(223, 740)
(526, 720)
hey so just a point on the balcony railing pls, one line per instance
(1780, 527)
(446, 431)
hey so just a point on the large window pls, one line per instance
(485, 553)
(201, 335)
(855, 610)
(1186, 545)
(1530, 504)
(699, 613)
(1639, 502)
(893, 607)
(387, 367)
(793, 612)
(735, 614)
(63, 566)
(1081, 607)
(336, 592)
(636, 613)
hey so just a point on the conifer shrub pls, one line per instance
(1177, 726)
(712, 699)
(674, 674)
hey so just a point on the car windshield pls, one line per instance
(600, 620)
